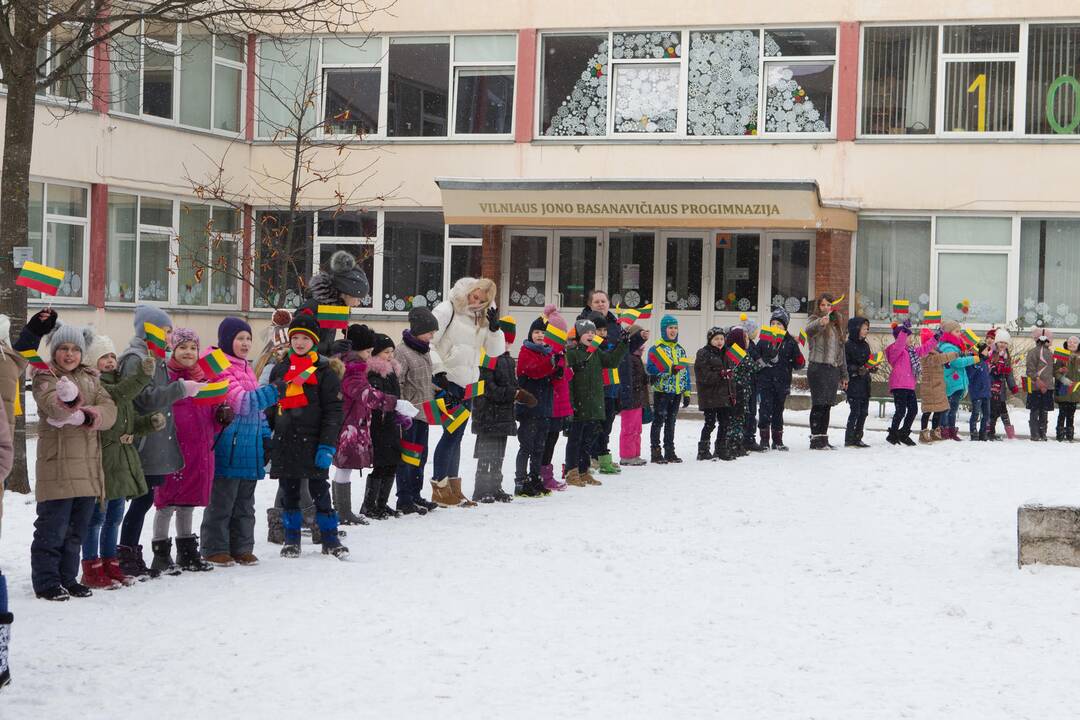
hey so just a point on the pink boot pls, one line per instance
(547, 473)
(1010, 432)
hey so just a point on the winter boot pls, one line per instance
(410, 507)
(386, 485)
(131, 562)
(93, 576)
(778, 440)
(442, 494)
(53, 594)
(163, 561)
(849, 439)
(328, 528)
(534, 487)
(937, 434)
(455, 490)
(78, 590)
(370, 507)
(588, 479)
(1033, 429)
(751, 444)
(905, 438)
(421, 501)
(502, 497)
(925, 438)
(1042, 425)
(764, 443)
(1069, 434)
(187, 555)
(291, 520)
(635, 461)
(954, 434)
(342, 494)
(721, 451)
(112, 569)
(893, 437)
(703, 451)
(519, 486)
(656, 456)
(574, 478)
(547, 474)
(1010, 432)
(1059, 430)
(6, 619)
(607, 467)
(670, 456)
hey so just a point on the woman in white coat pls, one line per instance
(468, 323)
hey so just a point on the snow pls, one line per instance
(878, 583)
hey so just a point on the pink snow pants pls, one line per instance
(630, 434)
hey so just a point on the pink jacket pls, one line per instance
(902, 376)
(561, 406)
(359, 399)
(196, 430)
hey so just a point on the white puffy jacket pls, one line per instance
(461, 335)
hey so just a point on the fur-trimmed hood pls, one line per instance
(321, 288)
(463, 333)
(383, 368)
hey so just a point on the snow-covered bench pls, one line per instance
(1048, 534)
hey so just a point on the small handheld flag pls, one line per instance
(432, 414)
(901, 307)
(212, 393)
(42, 278)
(555, 337)
(802, 337)
(773, 334)
(932, 317)
(645, 312)
(1062, 354)
(34, 359)
(610, 376)
(836, 303)
(735, 353)
(875, 360)
(155, 339)
(456, 417)
(411, 453)
(594, 344)
(474, 390)
(487, 362)
(214, 363)
(971, 336)
(627, 316)
(333, 317)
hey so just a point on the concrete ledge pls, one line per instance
(1048, 535)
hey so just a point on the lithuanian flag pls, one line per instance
(1029, 385)
(1062, 354)
(456, 417)
(35, 360)
(971, 336)
(610, 376)
(660, 360)
(555, 337)
(212, 392)
(214, 363)
(411, 453)
(875, 360)
(155, 339)
(627, 316)
(901, 307)
(474, 390)
(431, 414)
(645, 312)
(42, 278)
(932, 317)
(773, 334)
(594, 344)
(333, 317)
(487, 362)
(735, 353)
(802, 337)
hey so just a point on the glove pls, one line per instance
(324, 456)
(66, 390)
(636, 342)
(148, 364)
(91, 418)
(1041, 385)
(624, 335)
(525, 397)
(404, 421)
(76, 418)
(404, 407)
(340, 347)
(559, 373)
(43, 323)
(224, 415)
(493, 319)
(192, 388)
(686, 401)
(440, 381)
(157, 421)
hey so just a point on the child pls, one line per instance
(633, 399)
(956, 379)
(120, 462)
(70, 479)
(608, 328)
(354, 445)
(712, 373)
(1002, 382)
(587, 395)
(1068, 394)
(383, 371)
(670, 385)
(305, 435)
(537, 368)
(197, 426)
(778, 360)
(905, 360)
(414, 356)
(979, 392)
(228, 524)
(494, 415)
(935, 402)
(1040, 377)
(750, 327)
(742, 383)
(857, 354)
(562, 409)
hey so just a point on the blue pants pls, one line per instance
(751, 414)
(582, 436)
(601, 445)
(532, 439)
(954, 405)
(104, 530)
(980, 415)
(58, 535)
(446, 461)
(772, 400)
(907, 407)
(131, 529)
(411, 479)
(665, 410)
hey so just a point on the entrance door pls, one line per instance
(737, 278)
(682, 254)
(790, 269)
(631, 259)
(575, 268)
(527, 281)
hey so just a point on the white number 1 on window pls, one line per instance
(980, 85)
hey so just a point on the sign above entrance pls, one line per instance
(641, 203)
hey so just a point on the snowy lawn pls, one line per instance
(879, 583)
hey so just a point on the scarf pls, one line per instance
(418, 345)
(916, 362)
(542, 348)
(184, 372)
(301, 372)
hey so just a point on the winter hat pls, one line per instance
(749, 325)
(634, 330)
(1042, 335)
(598, 319)
(1002, 336)
(950, 326)
(68, 334)
(99, 347)
(904, 327)
(713, 332)
(381, 343)
(584, 325)
(780, 315)
(346, 277)
(150, 314)
(509, 328)
(304, 322)
(421, 320)
(538, 324)
(666, 322)
(227, 331)
(183, 335)
(361, 337)
(554, 318)
(737, 336)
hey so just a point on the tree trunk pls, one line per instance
(14, 212)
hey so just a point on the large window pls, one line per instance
(353, 232)
(892, 262)
(791, 274)
(208, 256)
(899, 80)
(412, 271)
(464, 252)
(74, 85)
(683, 282)
(980, 77)
(735, 276)
(1049, 266)
(484, 84)
(138, 262)
(58, 223)
(1053, 77)
(419, 90)
(288, 86)
(630, 268)
(282, 252)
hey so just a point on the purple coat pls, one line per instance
(195, 433)
(354, 450)
(902, 376)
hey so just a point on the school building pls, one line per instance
(712, 159)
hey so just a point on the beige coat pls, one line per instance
(69, 457)
(415, 376)
(7, 455)
(12, 368)
(932, 381)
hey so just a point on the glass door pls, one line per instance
(526, 259)
(790, 270)
(736, 276)
(683, 256)
(630, 264)
(575, 268)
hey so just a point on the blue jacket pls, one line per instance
(238, 451)
(955, 377)
(979, 381)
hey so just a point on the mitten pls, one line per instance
(402, 407)
(340, 347)
(403, 421)
(75, 418)
(43, 323)
(224, 415)
(147, 365)
(525, 397)
(192, 388)
(324, 456)
(66, 390)
(559, 372)
(157, 421)
(493, 319)
(91, 418)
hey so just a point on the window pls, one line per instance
(464, 247)
(736, 272)
(73, 85)
(1053, 80)
(528, 270)
(791, 274)
(139, 258)
(646, 93)
(724, 83)
(972, 267)
(208, 255)
(1049, 265)
(418, 99)
(354, 232)
(799, 80)
(412, 269)
(484, 84)
(630, 268)
(61, 211)
(577, 268)
(352, 85)
(980, 77)
(282, 256)
(892, 262)
(899, 80)
(574, 85)
(684, 268)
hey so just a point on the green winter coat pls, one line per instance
(1068, 374)
(123, 470)
(587, 385)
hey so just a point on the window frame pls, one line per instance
(456, 65)
(88, 79)
(449, 244)
(84, 222)
(317, 242)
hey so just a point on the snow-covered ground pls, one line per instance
(878, 583)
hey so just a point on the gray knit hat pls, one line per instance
(150, 314)
(422, 320)
(68, 334)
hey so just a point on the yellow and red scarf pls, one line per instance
(301, 372)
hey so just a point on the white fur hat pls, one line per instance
(99, 347)
(1002, 336)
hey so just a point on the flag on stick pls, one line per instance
(932, 317)
(214, 363)
(42, 278)
(971, 336)
(155, 339)
(411, 453)
(735, 353)
(555, 337)
(333, 317)
(610, 376)
(802, 337)
(594, 344)
(875, 360)
(212, 392)
(773, 334)
(474, 390)
(487, 362)
(1062, 354)
(35, 361)
(901, 307)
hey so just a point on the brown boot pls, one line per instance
(574, 478)
(441, 493)
(455, 489)
(936, 435)
(221, 560)
(924, 437)
(589, 479)
(246, 559)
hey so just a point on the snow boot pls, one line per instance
(858, 438)
(519, 486)
(670, 456)
(1010, 432)
(764, 443)
(893, 437)
(635, 461)
(131, 562)
(411, 507)
(385, 486)
(163, 561)
(607, 467)
(905, 438)
(187, 555)
(657, 456)
(77, 589)
(721, 451)
(751, 444)
(937, 434)
(6, 619)
(93, 575)
(54, 594)
(954, 434)
(925, 438)
(1033, 430)
(849, 439)
(112, 569)
(778, 440)
(423, 502)
(455, 490)
(534, 487)
(442, 494)
(291, 520)
(342, 493)
(588, 479)
(370, 506)
(1042, 425)
(574, 478)
(703, 451)
(328, 527)
(547, 474)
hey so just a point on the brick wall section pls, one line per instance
(832, 266)
(847, 85)
(491, 254)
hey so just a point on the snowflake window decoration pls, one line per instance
(646, 98)
(788, 107)
(584, 111)
(723, 83)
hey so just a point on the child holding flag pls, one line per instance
(979, 394)
(414, 356)
(1067, 372)
(562, 410)
(716, 394)
(383, 371)
(905, 362)
(537, 368)
(634, 399)
(1039, 383)
(935, 401)
(953, 340)
(668, 368)
(780, 356)
(1002, 382)
(860, 363)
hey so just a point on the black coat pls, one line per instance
(298, 432)
(634, 388)
(714, 379)
(385, 432)
(493, 412)
(779, 360)
(857, 353)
